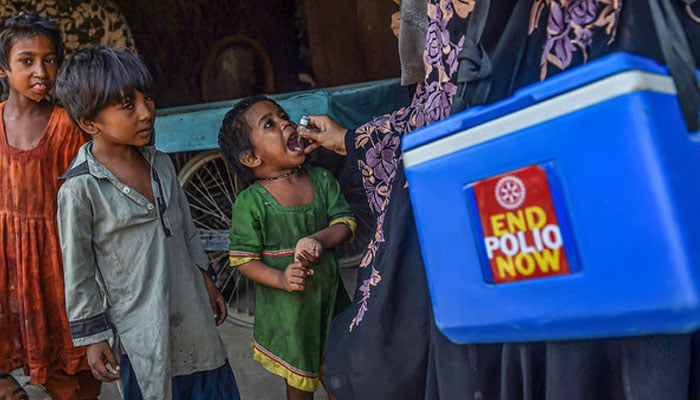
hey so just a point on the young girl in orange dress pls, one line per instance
(37, 143)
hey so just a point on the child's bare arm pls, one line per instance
(218, 304)
(292, 279)
(333, 235)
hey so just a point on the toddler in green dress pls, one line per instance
(283, 231)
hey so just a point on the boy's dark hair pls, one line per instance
(98, 77)
(27, 25)
(234, 137)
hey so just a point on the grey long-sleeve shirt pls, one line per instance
(132, 272)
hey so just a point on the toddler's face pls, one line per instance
(274, 136)
(10, 390)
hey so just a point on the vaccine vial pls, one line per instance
(303, 123)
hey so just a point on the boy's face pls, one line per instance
(32, 67)
(10, 390)
(274, 137)
(127, 123)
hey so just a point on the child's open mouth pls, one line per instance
(294, 142)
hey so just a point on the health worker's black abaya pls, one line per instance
(385, 345)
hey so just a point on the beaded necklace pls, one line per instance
(274, 178)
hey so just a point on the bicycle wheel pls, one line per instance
(211, 190)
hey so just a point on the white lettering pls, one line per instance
(551, 236)
(491, 245)
(525, 242)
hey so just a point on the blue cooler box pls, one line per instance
(570, 210)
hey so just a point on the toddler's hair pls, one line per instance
(28, 25)
(234, 136)
(98, 77)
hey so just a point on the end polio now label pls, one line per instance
(522, 237)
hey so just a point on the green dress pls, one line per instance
(290, 328)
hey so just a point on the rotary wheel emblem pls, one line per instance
(510, 192)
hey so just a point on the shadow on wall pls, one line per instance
(237, 66)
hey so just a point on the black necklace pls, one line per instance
(274, 178)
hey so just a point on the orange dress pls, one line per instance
(34, 331)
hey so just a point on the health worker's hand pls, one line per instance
(324, 132)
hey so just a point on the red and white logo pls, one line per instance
(521, 234)
(510, 192)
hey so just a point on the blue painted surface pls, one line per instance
(194, 128)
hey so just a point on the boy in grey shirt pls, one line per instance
(133, 263)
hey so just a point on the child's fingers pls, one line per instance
(306, 258)
(296, 277)
(103, 365)
(301, 273)
(312, 256)
(301, 258)
(111, 360)
(296, 285)
(105, 371)
(110, 368)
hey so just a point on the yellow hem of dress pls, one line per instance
(299, 382)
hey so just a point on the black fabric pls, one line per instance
(679, 59)
(474, 63)
(515, 54)
(397, 352)
(475, 369)
(390, 346)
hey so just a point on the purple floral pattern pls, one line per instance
(570, 28)
(380, 139)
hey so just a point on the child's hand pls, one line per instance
(218, 304)
(102, 363)
(307, 251)
(293, 279)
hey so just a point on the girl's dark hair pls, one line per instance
(27, 25)
(234, 137)
(97, 77)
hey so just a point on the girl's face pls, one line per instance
(274, 137)
(127, 123)
(32, 67)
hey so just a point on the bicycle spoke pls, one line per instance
(211, 189)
